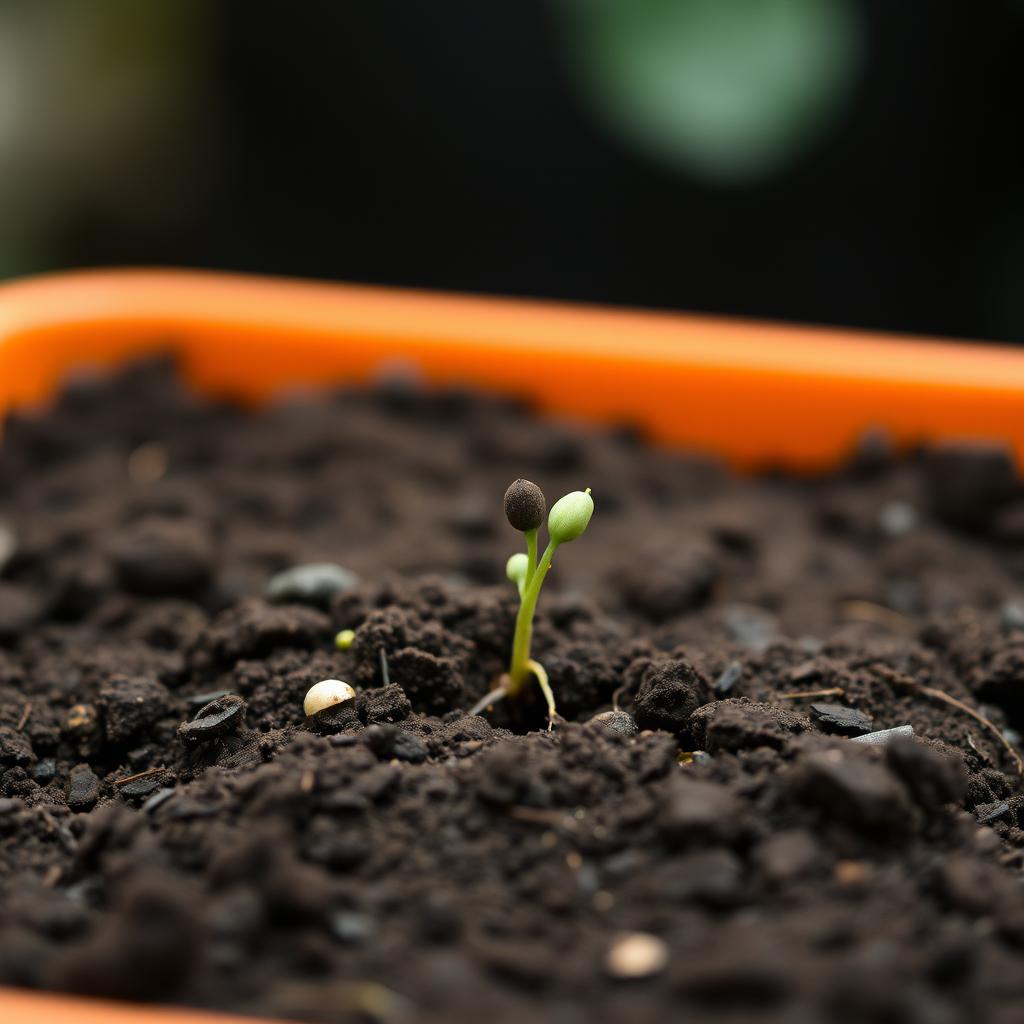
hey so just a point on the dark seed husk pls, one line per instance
(140, 787)
(837, 718)
(215, 719)
(525, 506)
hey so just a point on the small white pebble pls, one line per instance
(636, 955)
(897, 518)
(326, 694)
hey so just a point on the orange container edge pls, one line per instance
(755, 394)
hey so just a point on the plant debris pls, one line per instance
(220, 716)
(837, 718)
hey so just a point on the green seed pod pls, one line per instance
(515, 567)
(343, 641)
(525, 505)
(570, 516)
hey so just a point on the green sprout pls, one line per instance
(525, 506)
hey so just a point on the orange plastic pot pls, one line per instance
(757, 394)
(754, 393)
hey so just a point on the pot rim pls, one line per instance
(754, 393)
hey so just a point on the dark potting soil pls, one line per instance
(743, 857)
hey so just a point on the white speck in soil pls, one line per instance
(636, 955)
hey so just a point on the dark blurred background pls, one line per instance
(841, 161)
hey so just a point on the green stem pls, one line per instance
(519, 669)
(531, 557)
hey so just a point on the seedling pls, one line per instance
(525, 506)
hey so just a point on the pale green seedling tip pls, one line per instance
(516, 569)
(570, 516)
(343, 641)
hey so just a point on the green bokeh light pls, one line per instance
(728, 89)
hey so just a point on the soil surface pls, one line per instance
(742, 858)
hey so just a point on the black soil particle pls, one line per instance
(701, 838)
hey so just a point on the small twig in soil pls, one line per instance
(869, 611)
(898, 679)
(617, 696)
(931, 691)
(23, 721)
(384, 667)
(539, 816)
(138, 775)
(832, 691)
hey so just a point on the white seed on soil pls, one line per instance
(636, 955)
(326, 694)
